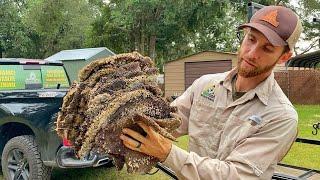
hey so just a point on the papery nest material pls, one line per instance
(115, 93)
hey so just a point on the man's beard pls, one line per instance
(248, 73)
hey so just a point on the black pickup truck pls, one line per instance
(31, 93)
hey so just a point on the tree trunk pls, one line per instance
(136, 40)
(142, 41)
(152, 47)
(0, 50)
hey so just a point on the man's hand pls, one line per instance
(153, 144)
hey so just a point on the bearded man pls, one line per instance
(240, 123)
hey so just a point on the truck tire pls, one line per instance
(21, 160)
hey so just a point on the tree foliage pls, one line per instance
(15, 40)
(39, 28)
(310, 9)
(165, 29)
(61, 24)
(161, 29)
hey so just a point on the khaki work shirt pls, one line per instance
(241, 139)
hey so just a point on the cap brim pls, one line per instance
(272, 36)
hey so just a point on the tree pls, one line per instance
(306, 10)
(59, 25)
(165, 29)
(310, 9)
(15, 40)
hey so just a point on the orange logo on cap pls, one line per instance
(271, 18)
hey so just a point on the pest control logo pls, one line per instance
(32, 79)
(208, 92)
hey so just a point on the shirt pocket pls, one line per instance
(247, 129)
(236, 131)
(232, 130)
(203, 111)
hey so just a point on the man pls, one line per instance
(240, 123)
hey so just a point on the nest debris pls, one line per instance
(115, 93)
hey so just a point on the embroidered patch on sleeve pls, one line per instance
(208, 92)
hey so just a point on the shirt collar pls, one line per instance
(263, 90)
(226, 83)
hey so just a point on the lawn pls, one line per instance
(306, 155)
(300, 154)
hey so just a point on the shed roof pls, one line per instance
(200, 53)
(310, 60)
(76, 54)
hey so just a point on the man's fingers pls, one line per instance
(129, 142)
(132, 144)
(126, 144)
(149, 130)
(146, 128)
(134, 134)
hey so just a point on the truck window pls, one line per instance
(54, 75)
(14, 77)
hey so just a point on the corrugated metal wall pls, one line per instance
(174, 72)
(194, 70)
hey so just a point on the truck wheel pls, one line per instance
(21, 160)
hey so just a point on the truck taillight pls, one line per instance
(66, 142)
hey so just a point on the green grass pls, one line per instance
(308, 115)
(306, 155)
(303, 155)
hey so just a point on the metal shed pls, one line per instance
(76, 59)
(179, 74)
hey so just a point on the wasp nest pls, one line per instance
(115, 93)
